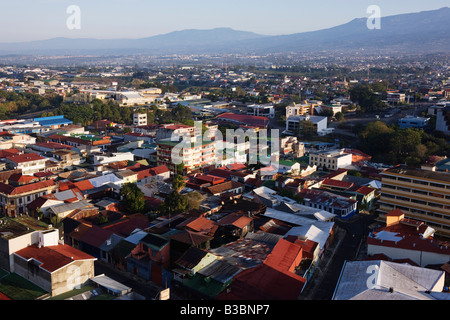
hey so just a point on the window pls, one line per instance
(437, 185)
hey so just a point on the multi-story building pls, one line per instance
(194, 155)
(263, 110)
(396, 97)
(139, 119)
(422, 195)
(300, 109)
(331, 160)
(14, 199)
(29, 163)
(295, 123)
(443, 120)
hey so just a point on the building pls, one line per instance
(55, 267)
(386, 280)
(294, 123)
(139, 119)
(422, 195)
(412, 122)
(331, 160)
(341, 206)
(82, 143)
(443, 120)
(302, 109)
(407, 239)
(15, 234)
(244, 120)
(14, 199)
(195, 155)
(395, 97)
(54, 122)
(29, 163)
(264, 110)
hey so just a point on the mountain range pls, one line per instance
(421, 32)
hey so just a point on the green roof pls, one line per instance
(287, 162)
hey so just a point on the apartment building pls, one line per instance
(423, 195)
(331, 160)
(139, 119)
(300, 109)
(194, 155)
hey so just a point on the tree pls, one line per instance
(178, 182)
(133, 198)
(175, 203)
(339, 116)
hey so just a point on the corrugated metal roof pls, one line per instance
(220, 270)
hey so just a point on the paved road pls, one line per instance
(347, 245)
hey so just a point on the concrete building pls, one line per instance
(320, 123)
(413, 122)
(194, 154)
(331, 160)
(55, 267)
(396, 97)
(264, 110)
(139, 119)
(29, 163)
(407, 239)
(420, 194)
(443, 120)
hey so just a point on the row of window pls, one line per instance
(421, 182)
(416, 201)
(416, 191)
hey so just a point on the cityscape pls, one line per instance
(241, 175)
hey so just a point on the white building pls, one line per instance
(331, 160)
(294, 123)
(29, 163)
(139, 119)
(105, 159)
(264, 110)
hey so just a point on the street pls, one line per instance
(347, 245)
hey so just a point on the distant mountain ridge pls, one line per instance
(426, 31)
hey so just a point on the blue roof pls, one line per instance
(50, 121)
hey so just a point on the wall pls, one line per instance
(71, 276)
(419, 257)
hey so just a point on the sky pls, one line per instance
(26, 20)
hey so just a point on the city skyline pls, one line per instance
(45, 19)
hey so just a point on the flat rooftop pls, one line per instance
(419, 173)
(14, 227)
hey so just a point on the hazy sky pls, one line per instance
(23, 20)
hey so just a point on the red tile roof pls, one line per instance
(159, 170)
(26, 157)
(235, 219)
(84, 185)
(52, 258)
(337, 183)
(11, 190)
(8, 152)
(54, 145)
